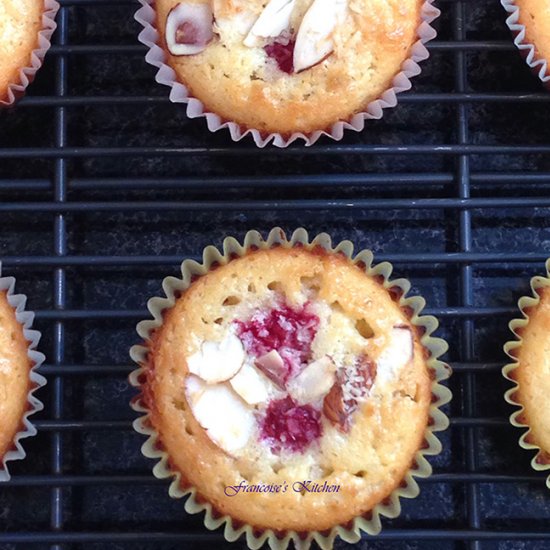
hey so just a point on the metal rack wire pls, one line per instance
(105, 187)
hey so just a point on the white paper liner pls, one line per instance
(529, 51)
(25, 318)
(26, 74)
(391, 506)
(179, 93)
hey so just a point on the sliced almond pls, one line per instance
(334, 407)
(274, 19)
(314, 40)
(189, 28)
(228, 422)
(273, 366)
(238, 22)
(397, 354)
(194, 388)
(351, 386)
(253, 386)
(217, 361)
(313, 382)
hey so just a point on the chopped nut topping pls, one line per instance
(350, 387)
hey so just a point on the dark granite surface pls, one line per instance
(146, 507)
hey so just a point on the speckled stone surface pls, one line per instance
(146, 506)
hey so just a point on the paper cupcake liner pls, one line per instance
(529, 52)
(26, 74)
(441, 395)
(179, 93)
(25, 318)
(538, 462)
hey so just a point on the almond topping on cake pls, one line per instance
(350, 387)
(398, 353)
(274, 385)
(274, 19)
(217, 361)
(189, 28)
(313, 382)
(253, 386)
(228, 422)
(284, 329)
(314, 40)
(273, 366)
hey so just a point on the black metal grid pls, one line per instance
(105, 187)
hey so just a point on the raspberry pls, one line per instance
(289, 332)
(282, 54)
(290, 426)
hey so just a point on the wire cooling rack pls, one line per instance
(105, 187)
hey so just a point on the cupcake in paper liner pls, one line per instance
(26, 27)
(284, 70)
(19, 362)
(530, 372)
(290, 389)
(529, 21)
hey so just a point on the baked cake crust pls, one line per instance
(534, 15)
(387, 430)
(533, 373)
(20, 25)
(241, 83)
(14, 374)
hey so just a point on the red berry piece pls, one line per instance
(289, 426)
(282, 54)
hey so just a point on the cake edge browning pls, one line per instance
(181, 463)
(11, 75)
(260, 112)
(524, 374)
(14, 418)
(537, 26)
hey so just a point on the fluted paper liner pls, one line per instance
(25, 318)
(515, 418)
(27, 74)
(438, 420)
(536, 63)
(179, 93)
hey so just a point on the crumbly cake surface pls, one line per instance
(533, 373)
(535, 16)
(20, 24)
(348, 315)
(245, 85)
(14, 374)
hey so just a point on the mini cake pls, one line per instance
(289, 388)
(531, 371)
(21, 24)
(15, 383)
(529, 20)
(535, 16)
(287, 66)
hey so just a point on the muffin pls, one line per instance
(529, 20)
(288, 66)
(25, 29)
(18, 379)
(290, 389)
(530, 371)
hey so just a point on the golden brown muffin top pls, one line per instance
(344, 400)
(244, 83)
(535, 16)
(14, 374)
(20, 23)
(533, 372)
